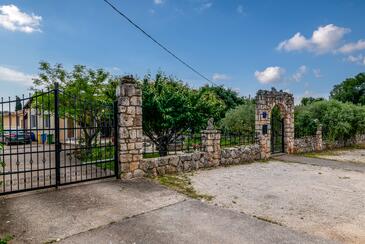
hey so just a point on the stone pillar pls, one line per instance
(130, 128)
(211, 142)
(289, 127)
(262, 126)
(319, 142)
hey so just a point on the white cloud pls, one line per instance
(240, 9)
(297, 76)
(206, 5)
(11, 18)
(220, 77)
(317, 73)
(11, 75)
(270, 75)
(323, 40)
(158, 2)
(352, 47)
(297, 42)
(359, 59)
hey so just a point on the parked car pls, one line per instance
(15, 136)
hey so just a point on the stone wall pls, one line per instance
(199, 160)
(315, 143)
(309, 143)
(359, 139)
(305, 144)
(240, 155)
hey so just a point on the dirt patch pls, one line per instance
(317, 200)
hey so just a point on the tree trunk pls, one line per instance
(163, 146)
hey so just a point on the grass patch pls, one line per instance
(109, 165)
(182, 184)
(151, 155)
(319, 154)
(97, 153)
(332, 152)
(104, 154)
(6, 239)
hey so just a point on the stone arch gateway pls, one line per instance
(265, 102)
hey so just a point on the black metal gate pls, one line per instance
(52, 138)
(277, 132)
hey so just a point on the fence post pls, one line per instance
(211, 143)
(130, 136)
(116, 140)
(57, 135)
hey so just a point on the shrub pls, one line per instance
(340, 121)
(240, 119)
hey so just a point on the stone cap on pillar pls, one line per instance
(211, 131)
(127, 79)
(128, 87)
(210, 128)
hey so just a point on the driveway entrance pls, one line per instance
(137, 211)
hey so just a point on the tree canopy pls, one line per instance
(171, 108)
(350, 90)
(230, 97)
(240, 119)
(18, 104)
(340, 121)
(308, 100)
(85, 95)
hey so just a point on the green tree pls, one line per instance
(230, 97)
(171, 108)
(340, 121)
(240, 119)
(308, 100)
(351, 90)
(85, 96)
(18, 104)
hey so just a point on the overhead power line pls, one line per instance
(158, 43)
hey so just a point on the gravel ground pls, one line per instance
(355, 156)
(317, 200)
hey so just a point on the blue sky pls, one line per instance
(304, 47)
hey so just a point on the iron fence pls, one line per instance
(185, 142)
(230, 139)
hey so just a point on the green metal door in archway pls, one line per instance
(277, 131)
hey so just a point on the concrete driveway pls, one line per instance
(319, 199)
(132, 212)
